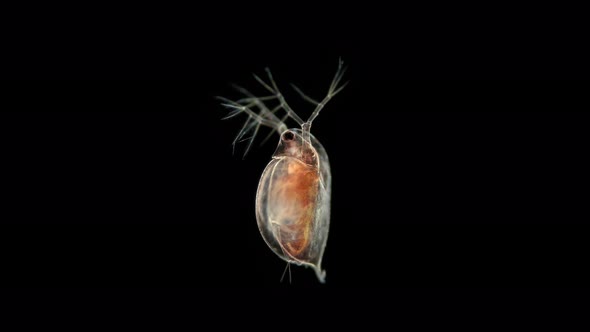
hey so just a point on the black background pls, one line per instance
(457, 153)
(434, 184)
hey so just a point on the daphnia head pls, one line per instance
(294, 144)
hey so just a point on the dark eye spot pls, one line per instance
(288, 136)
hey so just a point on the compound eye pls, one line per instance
(288, 136)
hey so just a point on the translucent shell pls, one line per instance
(293, 201)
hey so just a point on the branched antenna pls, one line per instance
(334, 89)
(275, 91)
(259, 114)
